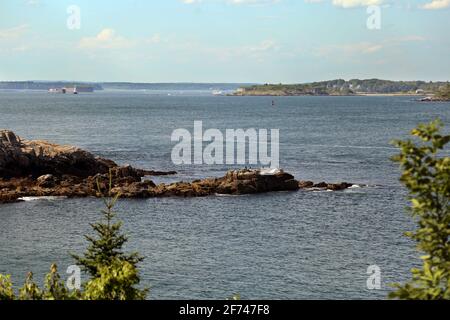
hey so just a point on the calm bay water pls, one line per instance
(313, 245)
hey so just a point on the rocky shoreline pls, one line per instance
(434, 99)
(38, 168)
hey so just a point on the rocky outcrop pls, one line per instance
(20, 158)
(129, 185)
(309, 185)
(40, 168)
(255, 181)
(8, 196)
(235, 182)
(434, 99)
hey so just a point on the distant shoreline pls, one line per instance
(341, 87)
(332, 95)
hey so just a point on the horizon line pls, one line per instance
(221, 82)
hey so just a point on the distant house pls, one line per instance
(420, 91)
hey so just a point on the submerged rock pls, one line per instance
(339, 186)
(434, 99)
(305, 184)
(8, 197)
(325, 186)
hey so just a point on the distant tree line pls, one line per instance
(354, 86)
(44, 85)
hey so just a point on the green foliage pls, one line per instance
(107, 246)
(235, 297)
(342, 87)
(426, 174)
(6, 289)
(55, 288)
(444, 92)
(115, 281)
(105, 261)
(30, 290)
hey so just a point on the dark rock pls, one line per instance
(305, 184)
(19, 158)
(339, 186)
(8, 197)
(324, 185)
(46, 181)
(156, 173)
(256, 181)
(321, 185)
(134, 190)
(434, 99)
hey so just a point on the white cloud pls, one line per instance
(432, 5)
(436, 4)
(106, 39)
(12, 40)
(233, 2)
(350, 3)
(33, 2)
(350, 49)
(253, 2)
(364, 48)
(356, 3)
(13, 33)
(109, 40)
(257, 52)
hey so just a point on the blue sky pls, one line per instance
(274, 41)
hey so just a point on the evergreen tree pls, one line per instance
(30, 290)
(444, 92)
(55, 289)
(114, 274)
(107, 246)
(116, 281)
(105, 260)
(426, 174)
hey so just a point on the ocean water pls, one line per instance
(288, 245)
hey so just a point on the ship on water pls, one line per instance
(72, 89)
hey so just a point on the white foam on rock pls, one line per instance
(269, 172)
(41, 198)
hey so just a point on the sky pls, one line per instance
(276, 41)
